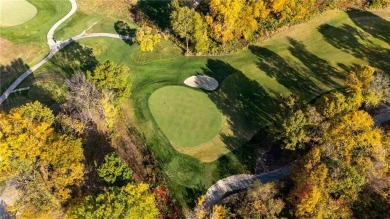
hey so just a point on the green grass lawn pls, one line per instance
(187, 117)
(15, 12)
(306, 60)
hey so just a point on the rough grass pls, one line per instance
(306, 60)
(15, 12)
(186, 116)
(95, 16)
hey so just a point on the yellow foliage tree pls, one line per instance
(223, 18)
(147, 37)
(47, 164)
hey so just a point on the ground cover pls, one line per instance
(307, 60)
(186, 116)
(10, 12)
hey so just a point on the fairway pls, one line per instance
(186, 116)
(15, 12)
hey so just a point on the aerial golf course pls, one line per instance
(197, 136)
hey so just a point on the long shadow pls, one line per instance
(122, 28)
(8, 73)
(371, 23)
(276, 67)
(243, 101)
(157, 11)
(348, 39)
(321, 69)
(247, 107)
(75, 57)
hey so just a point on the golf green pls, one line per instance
(186, 116)
(15, 12)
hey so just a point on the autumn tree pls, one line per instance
(223, 18)
(130, 201)
(330, 177)
(332, 104)
(380, 89)
(81, 98)
(46, 164)
(147, 37)
(358, 85)
(261, 201)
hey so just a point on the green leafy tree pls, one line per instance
(114, 171)
(200, 35)
(289, 124)
(182, 21)
(111, 77)
(147, 37)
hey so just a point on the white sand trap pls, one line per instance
(201, 81)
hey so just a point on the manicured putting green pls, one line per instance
(15, 12)
(186, 116)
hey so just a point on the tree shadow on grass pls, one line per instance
(157, 11)
(371, 23)
(277, 67)
(9, 73)
(243, 101)
(75, 57)
(247, 108)
(321, 69)
(349, 40)
(122, 28)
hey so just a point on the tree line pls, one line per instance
(224, 25)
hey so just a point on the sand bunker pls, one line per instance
(201, 81)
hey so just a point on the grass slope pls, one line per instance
(15, 12)
(186, 116)
(306, 60)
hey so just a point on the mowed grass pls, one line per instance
(305, 60)
(186, 116)
(15, 12)
(28, 40)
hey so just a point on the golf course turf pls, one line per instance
(186, 116)
(15, 12)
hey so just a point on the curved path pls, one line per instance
(55, 47)
(50, 34)
(240, 182)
